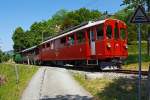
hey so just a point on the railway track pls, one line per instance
(145, 73)
(81, 68)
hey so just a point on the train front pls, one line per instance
(112, 47)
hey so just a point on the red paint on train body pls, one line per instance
(100, 40)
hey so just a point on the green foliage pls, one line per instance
(18, 58)
(1, 55)
(132, 4)
(59, 21)
(19, 39)
(78, 16)
(4, 57)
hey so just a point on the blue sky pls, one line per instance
(14, 13)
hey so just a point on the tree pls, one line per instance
(18, 39)
(78, 16)
(47, 28)
(132, 4)
(1, 55)
(18, 58)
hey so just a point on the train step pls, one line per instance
(92, 62)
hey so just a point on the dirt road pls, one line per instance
(56, 84)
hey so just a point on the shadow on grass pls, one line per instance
(123, 89)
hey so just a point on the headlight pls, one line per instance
(126, 46)
(108, 45)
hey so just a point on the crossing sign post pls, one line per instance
(138, 18)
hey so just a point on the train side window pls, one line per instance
(80, 37)
(71, 40)
(123, 33)
(99, 31)
(43, 46)
(63, 40)
(109, 31)
(116, 31)
(36, 51)
(48, 45)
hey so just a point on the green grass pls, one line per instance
(10, 90)
(133, 48)
(134, 66)
(112, 89)
(132, 61)
(133, 53)
(133, 58)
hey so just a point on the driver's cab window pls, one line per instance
(71, 39)
(116, 31)
(123, 33)
(109, 32)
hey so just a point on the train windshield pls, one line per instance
(109, 32)
(116, 31)
(123, 33)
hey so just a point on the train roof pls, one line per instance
(28, 49)
(86, 25)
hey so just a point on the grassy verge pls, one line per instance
(112, 89)
(10, 90)
(133, 58)
(133, 48)
(132, 61)
(134, 66)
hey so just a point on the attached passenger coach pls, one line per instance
(102, 43)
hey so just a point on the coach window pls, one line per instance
(43, 46)
(36, 51)
(63, 41)
(71, 39)
(109, 32)
(48, 45)
(80, 37)
(99, 31)
(116, 31)
(123, 33)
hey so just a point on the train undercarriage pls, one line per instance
(108, 64)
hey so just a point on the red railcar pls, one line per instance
(101, 43)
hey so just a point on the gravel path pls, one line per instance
(56, 84)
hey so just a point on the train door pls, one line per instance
(117, 45)
(109, 38)
(92, 42)
(123, 36)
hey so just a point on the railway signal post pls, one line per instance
(138, 18)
